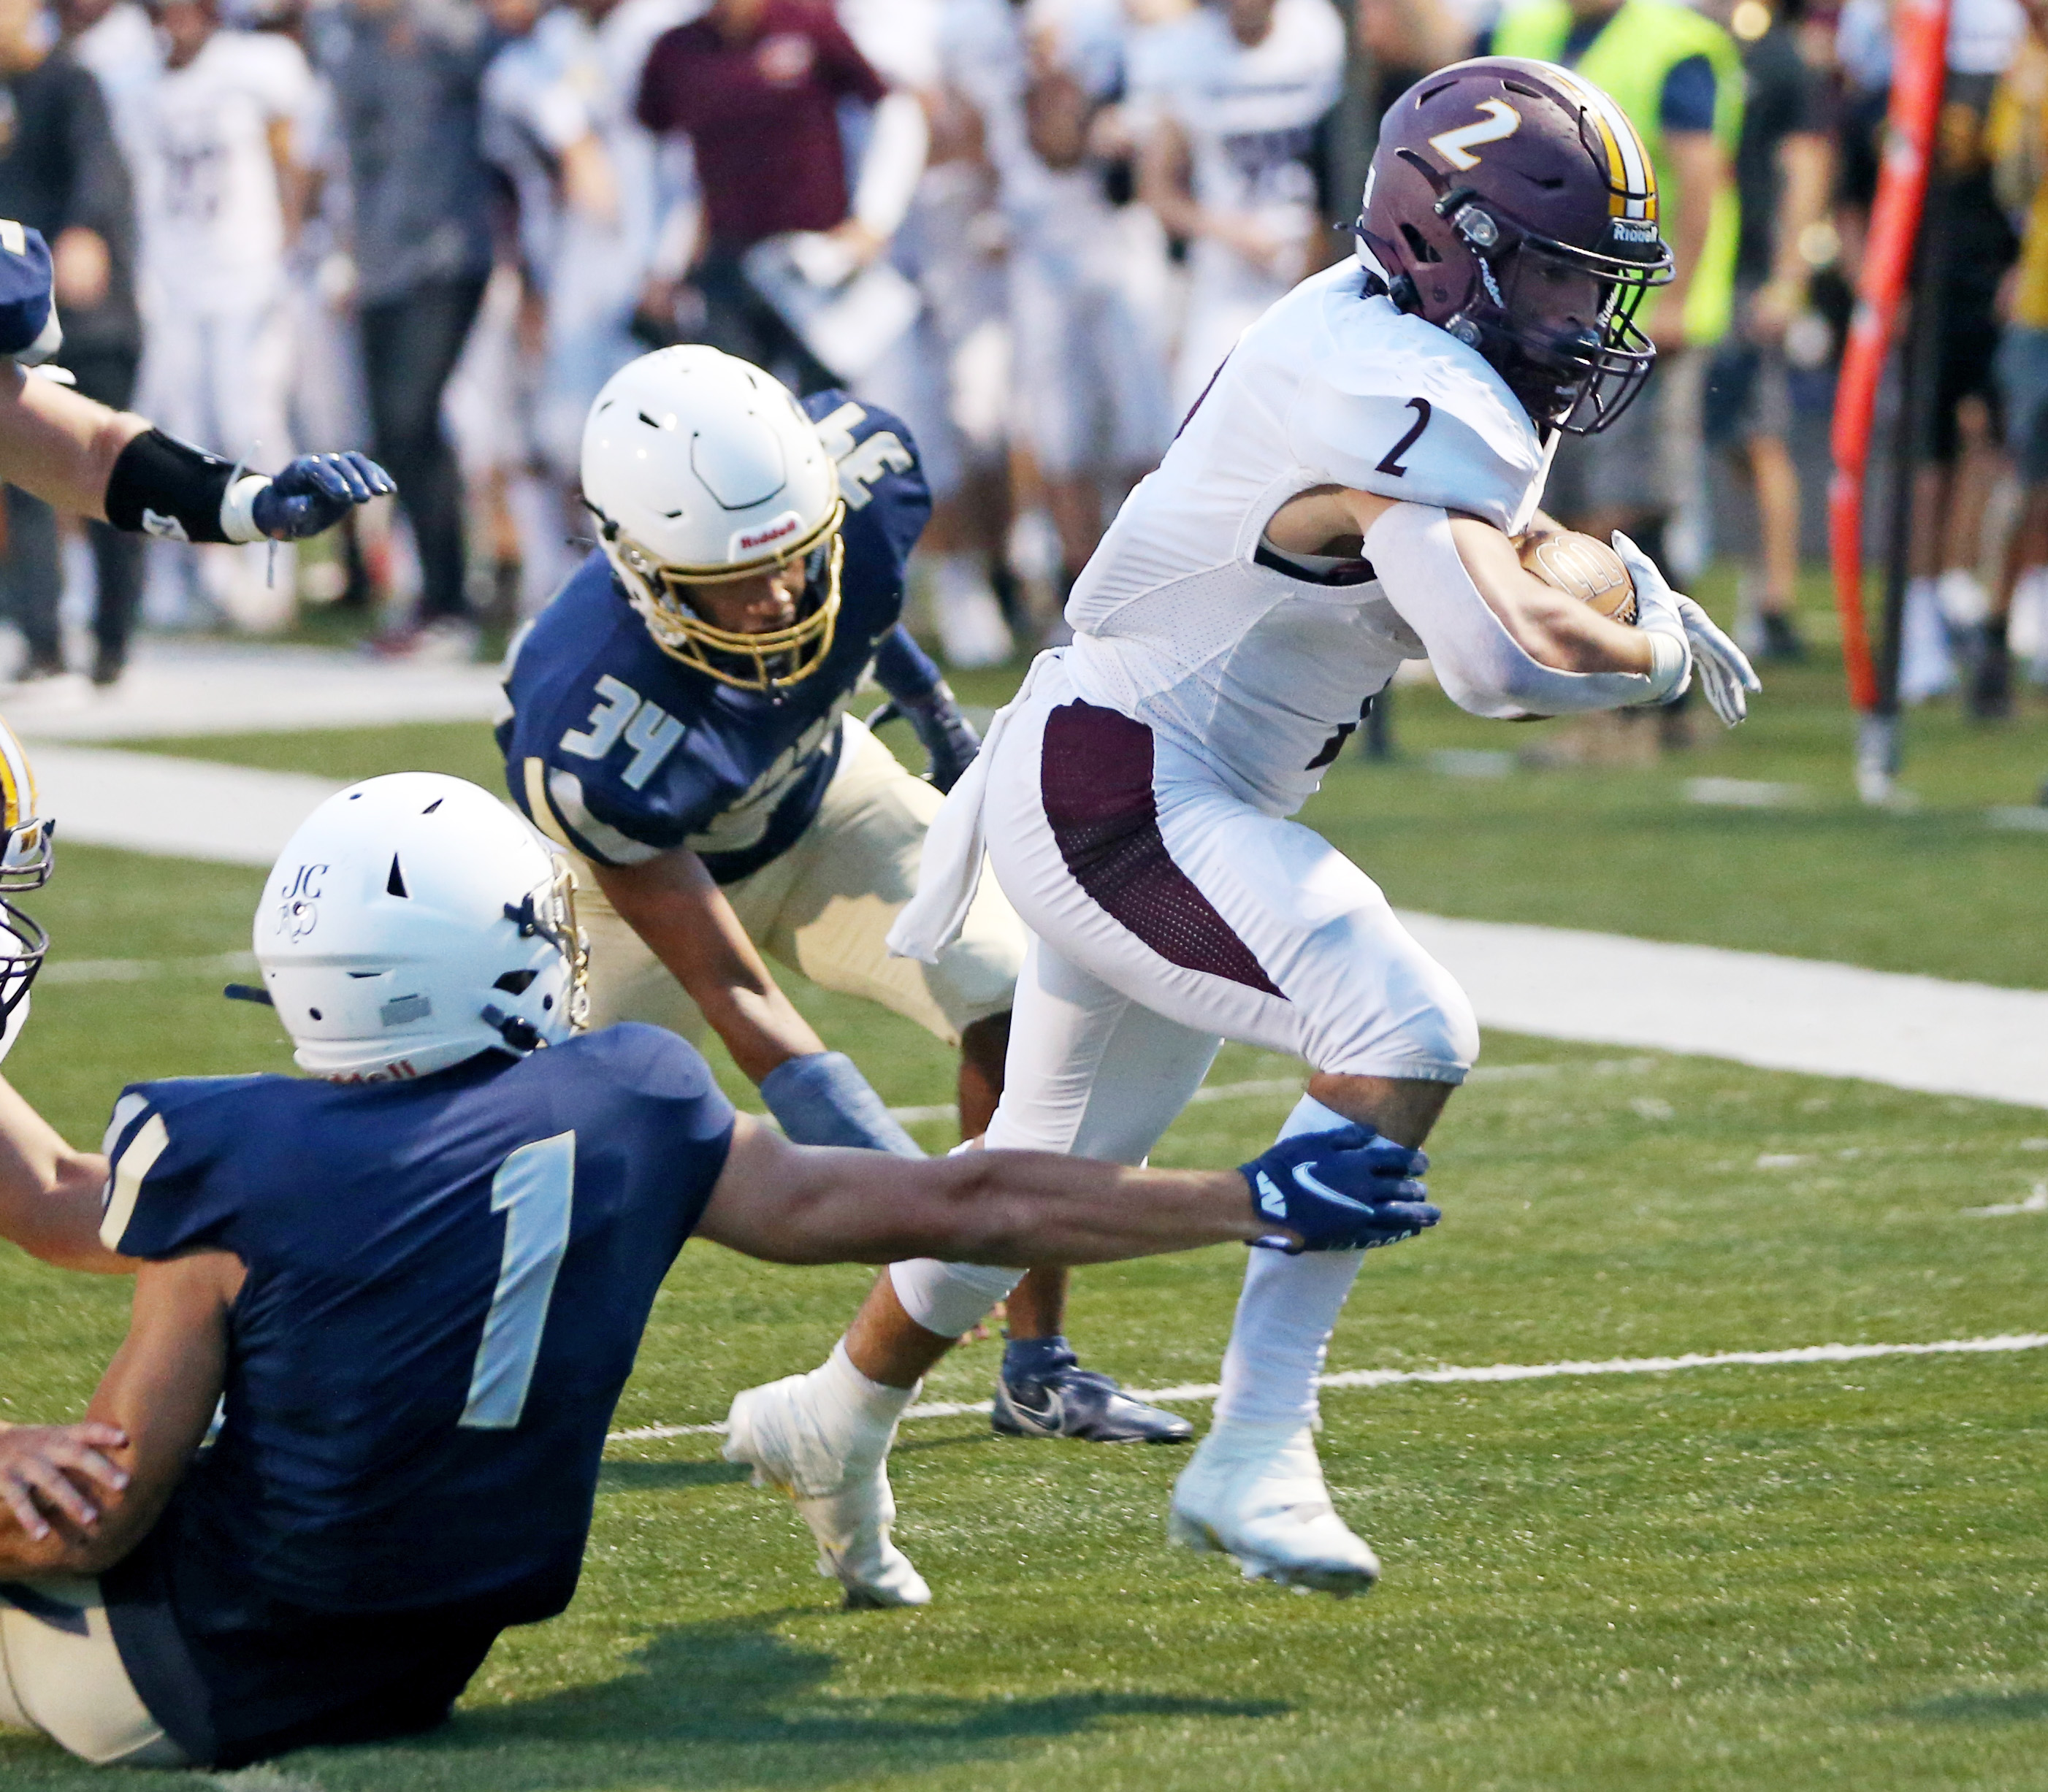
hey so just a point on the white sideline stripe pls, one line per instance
(1194, 1393)
(177, 808)
(197, 688)
(1777, 1013)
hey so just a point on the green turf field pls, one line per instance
(1818, 1575)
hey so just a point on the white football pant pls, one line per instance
(1167, 914)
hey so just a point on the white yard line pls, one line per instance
(1780, 1014)
(1196, 1393)
(143, 969)
(1292, 1085)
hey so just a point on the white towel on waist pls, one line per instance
(956, 848)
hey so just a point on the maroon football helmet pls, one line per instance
(1512, 203)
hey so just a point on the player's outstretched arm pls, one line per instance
(81, 456)
(1342, 1190)
(50, 1194)
(160, 1393)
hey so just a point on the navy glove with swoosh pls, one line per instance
(1348, 1189)
(315, 492)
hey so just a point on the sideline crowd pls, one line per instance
(431, 229)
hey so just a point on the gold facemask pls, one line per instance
(765, 663)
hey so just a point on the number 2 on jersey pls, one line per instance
(535, 1190)
(1392, 462)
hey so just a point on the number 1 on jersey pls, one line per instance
(535, 1190)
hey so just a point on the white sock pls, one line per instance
(950, 1299)
(1284, 1317)
(870, 1409)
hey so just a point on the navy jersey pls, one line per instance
(623, 752)
(447, 1280)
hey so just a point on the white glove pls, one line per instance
(1725, 672)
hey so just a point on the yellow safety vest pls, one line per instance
(1636, 50)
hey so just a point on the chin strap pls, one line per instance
(521, 1035)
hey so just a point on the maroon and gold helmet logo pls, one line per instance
(1498, 120)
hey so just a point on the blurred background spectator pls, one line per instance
(1784, 171)
(1032, 228)
(220, 193)
(1678, 75)
(1230, 99)
(405, 76)
(787, 275)
(1968, 245)
(61, 173)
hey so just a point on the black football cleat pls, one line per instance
(1082, 1404)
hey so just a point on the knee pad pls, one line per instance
(949, 1298)
(1429, 1032)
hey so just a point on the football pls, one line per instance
(1584, 566)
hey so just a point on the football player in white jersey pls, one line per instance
(1346, 497)
(558, 121)
(219, 193)
(1232, 95)
(1086, 288)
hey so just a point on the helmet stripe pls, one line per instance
(18, 782)
(1631, 181)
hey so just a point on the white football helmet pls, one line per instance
(28, 855)
(701, 469)
(412, 922)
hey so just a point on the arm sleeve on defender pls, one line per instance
(1478, 662)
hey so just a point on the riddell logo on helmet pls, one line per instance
(398, 1070)
(1633, 230)
(747, 540)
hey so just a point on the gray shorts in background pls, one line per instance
(1627, 466)
(2021, 372)
(1748, 394)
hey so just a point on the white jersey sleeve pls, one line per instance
(1404, 410)
(276, 73)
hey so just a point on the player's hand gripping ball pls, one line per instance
(1582, 567)
(1346, 1189)
(315, 492)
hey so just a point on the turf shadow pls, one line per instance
(731, 1703)
(2015, 1707)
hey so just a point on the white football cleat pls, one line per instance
(834, 1465)
(1256, 1492)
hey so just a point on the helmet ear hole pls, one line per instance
(1419, 245)
(516, 983)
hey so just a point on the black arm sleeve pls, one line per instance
(168, 488)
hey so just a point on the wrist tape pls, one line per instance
(1669, 662)
(167, 488)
